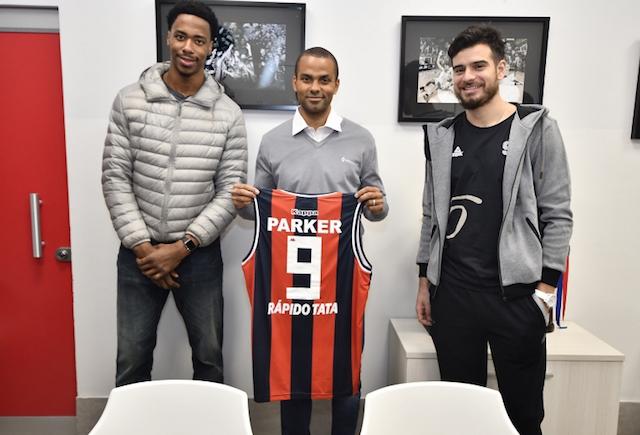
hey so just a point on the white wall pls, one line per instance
(592, 66)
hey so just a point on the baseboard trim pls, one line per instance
(37, 425)
(629, 418)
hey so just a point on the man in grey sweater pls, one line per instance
(176, 145)
(495, 233)
(317, 152)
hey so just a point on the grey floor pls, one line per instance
(265, 420)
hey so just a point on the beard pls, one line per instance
(490, 91)
(319, 107)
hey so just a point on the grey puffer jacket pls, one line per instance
(168, 167)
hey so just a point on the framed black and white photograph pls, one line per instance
(426, 74)
(635, 128)
(255, 50)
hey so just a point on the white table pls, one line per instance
(582, 384)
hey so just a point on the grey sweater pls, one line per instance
(536, 193)
(345, 162)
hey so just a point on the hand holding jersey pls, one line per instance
(371, 196)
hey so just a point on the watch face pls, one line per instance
(189, 244)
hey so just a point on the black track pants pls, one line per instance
(465, 321)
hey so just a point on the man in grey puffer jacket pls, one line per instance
(495, 234)
(175, 146)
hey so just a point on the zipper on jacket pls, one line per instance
(504, 298)
(436, 228)
(164, 212)
(535, 231)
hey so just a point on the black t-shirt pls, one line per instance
(470, 258)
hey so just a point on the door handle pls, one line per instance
(36, 237)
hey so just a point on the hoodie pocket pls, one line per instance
(535, 230)
(542, 309)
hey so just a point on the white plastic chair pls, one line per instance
(430, 408)
(175, 407)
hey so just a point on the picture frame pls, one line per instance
(635, 127)
(255, 50)
(426, 83)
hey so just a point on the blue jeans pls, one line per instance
(199, 301)
(295, 416)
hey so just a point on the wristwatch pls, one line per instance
(189, 244)
(548, 298)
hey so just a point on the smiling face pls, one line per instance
(476, 76)
(315, 84)
(189, 41)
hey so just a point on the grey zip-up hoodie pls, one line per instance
(536, 217)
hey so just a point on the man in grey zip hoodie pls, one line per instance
(495, 232)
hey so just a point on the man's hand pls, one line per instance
(143, 249)
(167, 282)
(372, 197)
(159, 265)
(243, 194)
(546, 287)
(423, 304)
(146, 248)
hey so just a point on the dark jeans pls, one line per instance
(464, 321)
(199, 301)
(295, 416)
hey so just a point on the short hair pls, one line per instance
(316, 52)
(474, 35)
(199, 9)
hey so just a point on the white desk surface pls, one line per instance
(570, 344)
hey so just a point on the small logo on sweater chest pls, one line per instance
(343, 159)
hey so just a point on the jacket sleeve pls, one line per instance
(426, 231)
(370, 176)
(117, 183)
(553, 193)
(232, 169)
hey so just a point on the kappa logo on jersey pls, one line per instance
(296, 212)
(505, 147)
(457, 152)
(307, 281)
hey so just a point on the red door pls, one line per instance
(37, 362)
